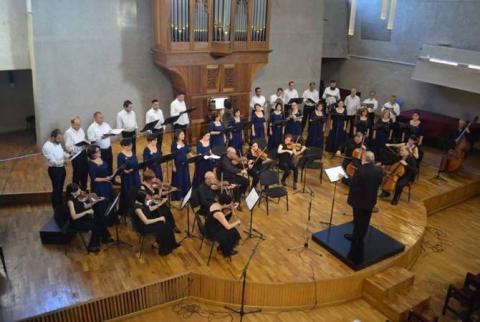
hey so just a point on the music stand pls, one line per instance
(117, 236)
(251, 200)
(334, 174)
(149, 126)
(183, 205)
(165, 159)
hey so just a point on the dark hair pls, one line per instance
(288, 135)
(148, 175)
(320, 103)
(91, 150)
(141, 196)
(180, 93)
(281, 105)
(257, 88)
(215, 114)
(71, 188)
(126, 142)
(414, 138)
(227, 104)
(312, 83)
(255, 106)
(154, 101)
(224, 199)
(55, 133)
(177, 134)
(279, 89)
(416, 113)
(126, 103)
(235, 110)
(151, 137)
(290, 83)
(96, 113)
(205, 131)
(332, 81)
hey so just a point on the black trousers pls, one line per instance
(361, 220)
(80, 170)
(288, 167)
(307, 111)
(57, 176)
(99, 230)
(242, 186)
(159, 133)
(107, 157)
(134, 141)
(351, 124)
(401, 183)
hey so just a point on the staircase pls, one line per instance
(393, 293)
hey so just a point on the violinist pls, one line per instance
(234, 170)
(209, 189)
(286, 152)
(258, 161)
(411, 145)
(410, 165)
(348, 149)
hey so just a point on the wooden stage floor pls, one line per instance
(42, 278)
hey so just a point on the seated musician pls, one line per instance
(80, 216)
(159, 192)
(151, 222)
(258, 161)
(217, 225)
(287, 152)
(234, 170)
(209, 190)
(348, 147)
(462, 126)
(411, 145)
(408, 161)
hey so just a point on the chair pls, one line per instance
(468, 296)
(205, 235)
(137, 226)
(417, 317)
(62, 218)
(3, 260)
(271, 187)
(314, 162)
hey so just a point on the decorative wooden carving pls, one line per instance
(211, 48)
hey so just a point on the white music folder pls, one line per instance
(335, 174)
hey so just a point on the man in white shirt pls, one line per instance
(72, 136)
(277, 97)
(290, 92)
(99, 132)
(154, 114)
(127, 121)
(258, 98)
(393, 107)
(331, 95)
(352, 104)
(372, 104)
(310, 99)
(56, 157)
(176, 108)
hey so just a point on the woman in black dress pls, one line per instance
(81, 218)
(219, 228)
(149, 221)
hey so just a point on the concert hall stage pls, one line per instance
(43, 279)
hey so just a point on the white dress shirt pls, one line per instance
(394, 110)
(289, 94)
(257, 100)
(127, 120)
(54, 154)
(352, 104)
(176, 107)
(95, 132)
(73, 137)
(275, 97)
(313, 95)
(372, 101)
(331, 96)
(154, 115)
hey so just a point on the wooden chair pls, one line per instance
(3, 260)
(468, 297)
(205, 235)
(271, 187)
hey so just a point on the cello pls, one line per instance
(394, 172)
(356, 155)
(452, 161)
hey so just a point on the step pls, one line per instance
(397, 305)
(387, 283)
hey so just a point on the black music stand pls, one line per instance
(165, 159)
(252, 199)
(183, 205)
(119, 242)
(149, 126)
(334, 174)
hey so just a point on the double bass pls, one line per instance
(452, 161)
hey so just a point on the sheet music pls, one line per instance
(211, 156)
(76, 155)
(335, 174)
(116, 131)
(186, 199)
(252, 199)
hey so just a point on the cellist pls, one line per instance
(409, 164)
(348, 147)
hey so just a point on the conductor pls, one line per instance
(363, 196)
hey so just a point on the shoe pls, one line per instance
(348, 236)
(294, 186)
(375, 209)
(394, 202)
(93, 249)
(384, 195)
(284, 183)
(176, 230)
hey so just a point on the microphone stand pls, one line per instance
(243, 276)
(306, 240)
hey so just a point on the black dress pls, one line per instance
(163, 210)
(163, 233)
(227, 238)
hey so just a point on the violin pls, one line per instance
(294, 146)
(89, 198)
(260, 154)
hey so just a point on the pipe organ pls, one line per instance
(211, 48)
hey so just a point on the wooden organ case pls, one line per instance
(211, 48)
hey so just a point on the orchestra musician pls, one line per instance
(127, 121)
(156, 114)
(234, 170)
(337, 134)
(236, 135)
(218, 226)
(276, 128)
(99, 133)
(258, 161)
(153, 153)
(130, 178)
(310, 99)
(56, 158)
(217, 130)
(150, 221)
(202, 165)
(362, 196)
(286, 152)
(180, 171)
(80, 216)
(294, 124)
(316, 127)
(348, 147)
(72, 136)
(259, 130)
(209, 190)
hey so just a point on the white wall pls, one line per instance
(13, 35)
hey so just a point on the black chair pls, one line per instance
(313, 161)
(138, 227)
(205, 235)
(271, 187)
(3, 260)
(468, 297)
